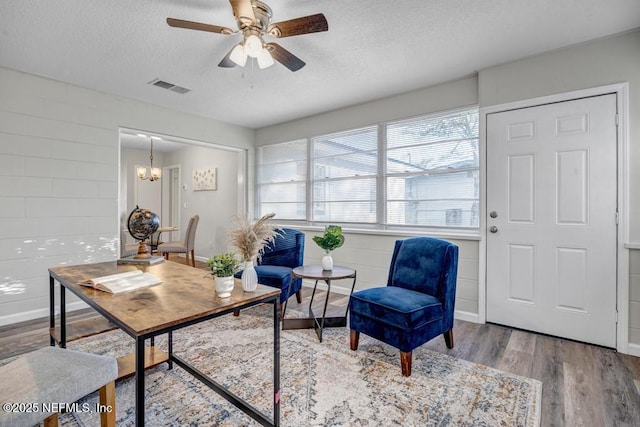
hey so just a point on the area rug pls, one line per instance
(322, 384)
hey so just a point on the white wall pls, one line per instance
(437, 98)
(59, 178)
(215, 208)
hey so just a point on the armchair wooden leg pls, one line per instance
(354, 339)
(448, 338)
(52, 420)
(165, 255)
(299, 296)
(236, 313)
(405, 362)
(108, 403)
(193, 258)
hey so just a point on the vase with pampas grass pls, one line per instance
(250, 239)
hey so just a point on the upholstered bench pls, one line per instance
(35, 386)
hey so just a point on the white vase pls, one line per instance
(327, 261)
(224, 286)
(249, 277)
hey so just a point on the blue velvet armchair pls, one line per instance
(279, 259)
(416, 305)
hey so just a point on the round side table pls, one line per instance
(315, 272)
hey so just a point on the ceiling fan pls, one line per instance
(254, 22)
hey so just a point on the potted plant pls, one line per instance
(331, 240)
(250, 239)
(222, 267)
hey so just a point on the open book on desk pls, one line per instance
(123, 282)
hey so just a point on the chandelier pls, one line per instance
(154, 173)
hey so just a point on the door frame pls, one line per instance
(622, 280)
(177, 202)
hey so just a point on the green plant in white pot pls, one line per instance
(331, 240)
(222, 267)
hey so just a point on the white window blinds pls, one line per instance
(281, 179)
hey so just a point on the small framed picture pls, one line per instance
(205, 180)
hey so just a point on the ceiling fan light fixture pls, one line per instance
(238, 55)
(253, 46)
(265, 59)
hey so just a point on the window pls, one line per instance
(282, 180)
(345, 168)
(432, 170)
(420, 172)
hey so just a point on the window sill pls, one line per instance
(439, 233)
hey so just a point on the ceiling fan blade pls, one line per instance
(243, 11)
(226, 61)
(285, 57)
(294, 27)
(190, 25)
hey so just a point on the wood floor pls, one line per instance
(583, 385)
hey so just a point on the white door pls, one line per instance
(551, 218)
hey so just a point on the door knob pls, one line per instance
(493, 229)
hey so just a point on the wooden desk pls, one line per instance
(315, 272)
(186, 297)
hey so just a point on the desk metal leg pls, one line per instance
(235, 400)
(52, 311)
(276, 362)
(63, 317)
(139, 382)
(170, 349)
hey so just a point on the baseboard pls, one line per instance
(466, 316)
(38, 314)
(633, 349)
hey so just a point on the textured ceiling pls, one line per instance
(373, 49)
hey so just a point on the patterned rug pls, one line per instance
(322, 384)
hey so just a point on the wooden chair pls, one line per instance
(52, 377)
(183, 247)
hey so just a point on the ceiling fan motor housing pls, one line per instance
(262, 13)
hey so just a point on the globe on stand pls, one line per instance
(141, 224)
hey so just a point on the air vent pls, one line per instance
(169, 86)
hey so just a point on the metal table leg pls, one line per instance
(52, 311)
(63, 317)
(276, 362)
(139, 382)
